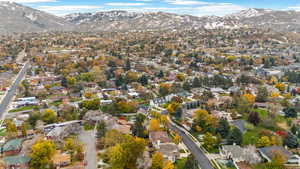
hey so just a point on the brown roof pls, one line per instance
(159, 135)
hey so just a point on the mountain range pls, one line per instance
(16, 18)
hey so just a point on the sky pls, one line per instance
(191, 7)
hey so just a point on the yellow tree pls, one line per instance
(157, 161)
(264, 141)
(154, 125)
(280, 86)
(164, 120)
(169, 165)
(41, 153)
(177, 138)
(250, 97)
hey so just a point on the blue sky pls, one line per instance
(192, 7)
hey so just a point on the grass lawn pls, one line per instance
(250, 137)
(24, 108)
(262, 113)
(3, 132)
(179, 164)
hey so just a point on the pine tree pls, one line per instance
(223, 128)
(235, 137)
(101, 129)
(128, 65)
(254, 118)
(291, 141)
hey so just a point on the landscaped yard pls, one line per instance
(24, 108)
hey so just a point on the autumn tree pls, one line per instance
(168, 165)
(157, 161)
(11, 128)
(154, 125)
(209, 141)
(41, 153)
(264, 141)
(49, 116)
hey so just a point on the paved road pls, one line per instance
(88, 138)
(11, 92)
(200, 156)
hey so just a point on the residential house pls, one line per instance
(12, 147)
(16, 162)
(61, 159)
(267, 153)
(239, 154)
(163, 144)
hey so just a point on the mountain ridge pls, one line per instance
(21, 19)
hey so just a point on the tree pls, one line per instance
(144, 80)
(205, 121)
(196, 83)
(11, 128)
(165, 89)
(291, 141)
(250, 98)
(294, 129)
(154, 125)
(243, 105)
(157, 161)
(126, 153)
(128, 65)
(223, 127)
(262, 94)
(73, 147)
(209, 141)
(168, 165)
(139, 129)
(160, 74)
(177, 139)
(191, 162)
(101, 129)
(49, 116)
(254, 118)
(186, 86)
(235, 137)
(24, 129)
(290, 112)
(264, 141)
(280, 86)
(41, 153)
(93, 104)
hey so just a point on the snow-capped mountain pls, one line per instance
(266, 18)
(122, 20)
(19, 18)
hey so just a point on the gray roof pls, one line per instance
(16, 160)
(240, 124)
(267, 152)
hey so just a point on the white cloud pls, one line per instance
(28, 1)
(66, 9)
(124, 4)
(186, 2)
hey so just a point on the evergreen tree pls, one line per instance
(160, 74)
(144, 80)
(262, 95)
(191, 162)
(290, 112)
(186, 86)
(294, 129)
(291, 141)
(139, 128)
(235, 137)
(196, 83)
(128, 65)
(223, 128)
(119, 81)
(101, 129)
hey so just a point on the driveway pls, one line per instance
(88, 138)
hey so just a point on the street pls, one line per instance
(12, 90)
(200, 156)
(89, 140)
